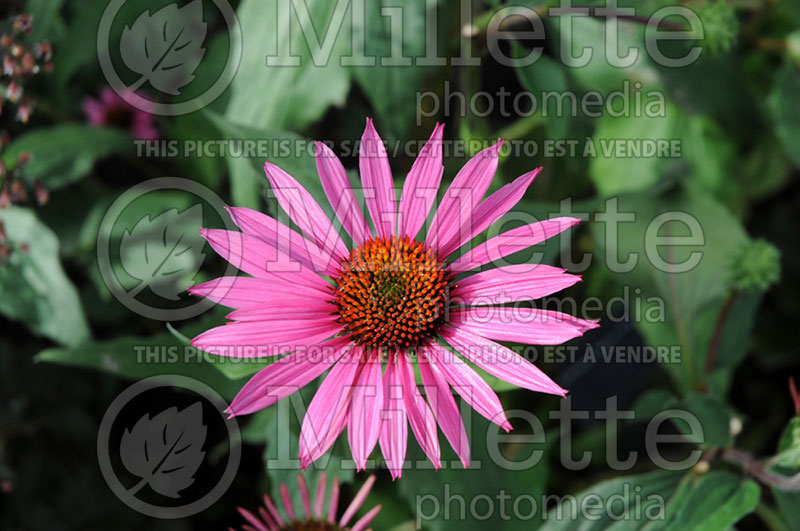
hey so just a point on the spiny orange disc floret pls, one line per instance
(391, 293)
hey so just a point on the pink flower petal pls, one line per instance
(423, 424)
(255, 257)
(287, 241)
(263, 338)
(394, 428)
(286, 376)
(444, 406)
(511, 242)
(469, 385)
(287, 502)
(464, 194)
(501, 362)
(520, 325)
(376, 178)
(319, 495)
(250, 517)
(365, 520)
(422, 185)
(365, 410)
(513, 283)
(258, 294)
(490, 210)
(358, 501)
(340, 194)
(329, 410)
(304, 211)
(304, 496)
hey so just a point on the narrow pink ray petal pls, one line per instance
(394, 428)
(304, 496)
(358, 501)
(520, 325)
(286, 376)
(267, 519)
(365, 520)
(365, 412)
(422, 422)
(288, 241)
(513, 283)
(319, 496)
(490, 210)
(273, 511)
(469, 385)
(255, 257)
(333, 505)
(259, 339)
(422, 185)
(287, 502)
(329, 410)
(376, 178)
(511, 242)
(340, 194)
(251, 293)
(444, 406)
(464, 194)
(250, 517)
(304, 211)
(310, 310)
(501, 362)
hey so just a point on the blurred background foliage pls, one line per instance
(67, 346)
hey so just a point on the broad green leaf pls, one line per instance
(35, 289)
(789, 446)
(392, 86)
(546, 76)
(289, 97)
(633, 501)
(63, 154)
(713, 416)
(785, 111)
(159, 355)
(716, 501)
(622, 163)
(427, 491)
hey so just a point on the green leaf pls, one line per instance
(141, 357)
(424, 488)
(63, 154)
(634, 501)
(785, 111)
(789, 446)
(618, 168)
(35, 289)
(713, 416)
(47, 23)
(278, 97)
(717, 500)
(392, 89)
(544, 76)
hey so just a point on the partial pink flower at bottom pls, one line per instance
(392, 307)
(111, 109)
(314, 516)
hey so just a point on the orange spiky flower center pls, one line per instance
(391, 293)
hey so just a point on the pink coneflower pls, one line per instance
(113, 110)
(372, 313)
(313, 517)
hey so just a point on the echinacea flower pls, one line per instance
(111, 109)
(369, 312)
(313, 518)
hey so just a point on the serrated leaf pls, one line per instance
(161, 253)
(166, 47)
(165, 451)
